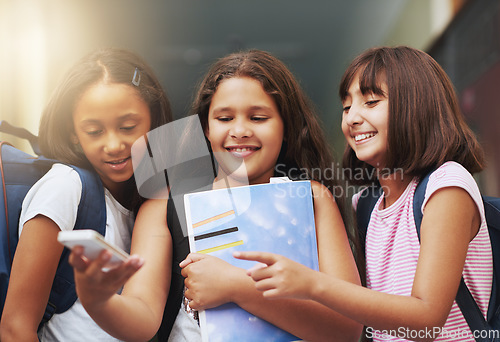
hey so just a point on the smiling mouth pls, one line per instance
(117, 162)
(242, 152)
(241, 149)
(365, 136)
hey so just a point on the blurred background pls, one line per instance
(41, 39)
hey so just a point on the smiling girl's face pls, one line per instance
(108, 118)
(245, 130)
(365, 123)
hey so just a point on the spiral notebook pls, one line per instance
(276, 218)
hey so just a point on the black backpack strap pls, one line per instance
(92, 207)
(464, 298)
(492, 214)
(418, 200)
(91, 215)
(366, 203)
(471, 311)
(180, 243)
(367, 200)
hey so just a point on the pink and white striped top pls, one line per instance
(392, 249)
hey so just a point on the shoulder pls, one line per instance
(56, 195)
(452, 174)
(60, 179)
(451, 169)
(62, 175)
(320, 190)
(323, 198)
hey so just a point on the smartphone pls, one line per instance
(93, 243)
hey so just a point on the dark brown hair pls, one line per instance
(109, 65)
(426, 126)
(305, 153)
(304, 146)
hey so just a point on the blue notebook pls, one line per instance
(276, 218)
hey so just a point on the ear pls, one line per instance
(74, 139)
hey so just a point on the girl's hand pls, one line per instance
(210, 281)
(277, 276)
(95, 284)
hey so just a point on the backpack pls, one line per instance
(19, 171)
(180, 251)
(489, 327)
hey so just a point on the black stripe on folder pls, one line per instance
(219, 232)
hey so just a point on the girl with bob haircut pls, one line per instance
(401, 120)
(107, 101)
(426, 125)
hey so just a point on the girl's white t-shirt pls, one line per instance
(392, 250)
(56, 196)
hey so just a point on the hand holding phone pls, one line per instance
(93, 243)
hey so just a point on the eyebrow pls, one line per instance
(230, 109)
(121, 118)
(130, 116)
(266, 108)
(221, 110)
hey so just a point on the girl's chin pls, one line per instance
(223, 183)
(236, 178)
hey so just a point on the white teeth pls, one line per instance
(117, 161)
(242, 149)
(360, 137)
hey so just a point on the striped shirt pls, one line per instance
(392, 249)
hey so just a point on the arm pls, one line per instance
(136, 314)
(306, 319)
(446, 231)
(33, 270)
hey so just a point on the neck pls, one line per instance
(225, 180)
(228, 182)
(394, 185)
(121, 193)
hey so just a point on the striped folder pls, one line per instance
(276, 218)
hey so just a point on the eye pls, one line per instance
(259, 118)
(128, 128)
(224, 118)
(372, 102)
(94, 132)
(346, 109)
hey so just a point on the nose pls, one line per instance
(113, 143)
(353, 116)
(240, 128)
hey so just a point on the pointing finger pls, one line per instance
(262, 257)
